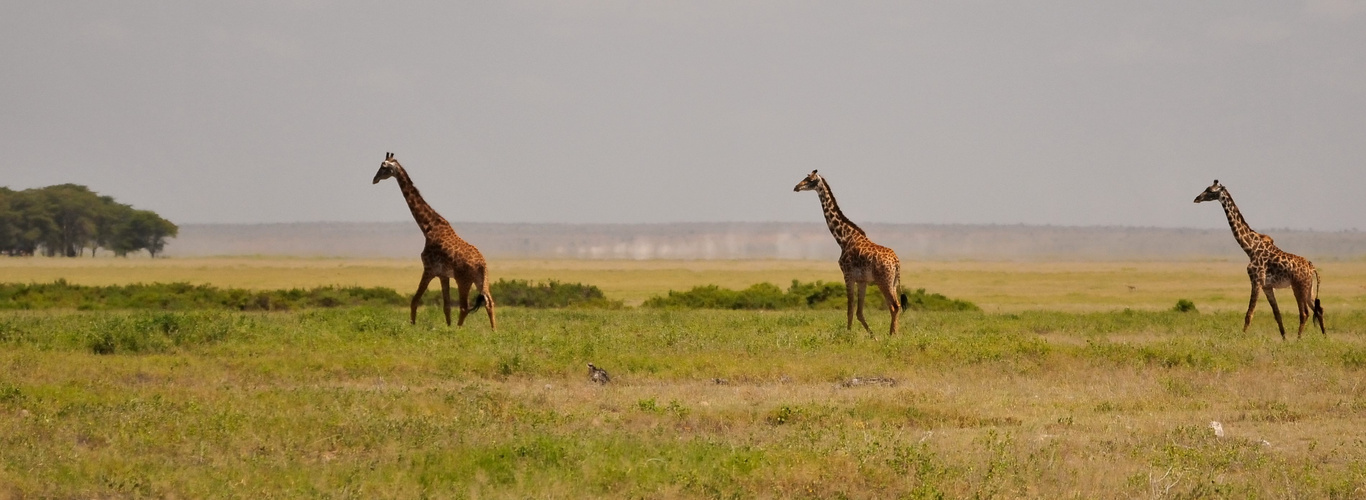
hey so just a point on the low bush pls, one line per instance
(552, 294)
(816, 295)
(185, 296)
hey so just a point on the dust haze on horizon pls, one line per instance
(1062, 113)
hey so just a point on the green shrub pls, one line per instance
(1185, 306)
(184, 296)
(817, 295)
(552, 294)
(759, 296)
(921, 301)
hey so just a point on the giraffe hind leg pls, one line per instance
(1303, 305)
(893, 305)
(1275, 310)
(487, 299)
(463, 289)
(446, 298)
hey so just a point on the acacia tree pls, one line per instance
(9, 221)
(107, 221)
(32, 222)
(74, 209)
(66, 218)
(143, 230)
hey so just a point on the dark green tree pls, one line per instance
(143, 230)
(9, 221)
(74, 209)
(66, 218)
(107, 220)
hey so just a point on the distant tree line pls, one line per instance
(66, 219)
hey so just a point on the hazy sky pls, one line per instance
(1065, 113)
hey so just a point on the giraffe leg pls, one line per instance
(849, 293)
(862, 289)
(488, 305)
(893, 304)
(1251, 306)
(417, 297)
(1302, 301)
(446, 298)
(1275, 310)
(463, 288)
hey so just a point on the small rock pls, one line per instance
(858, 381)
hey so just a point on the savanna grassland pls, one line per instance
(1075, 380)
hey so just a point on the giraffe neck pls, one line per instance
(843, 229)
(1247, 238)
(426, 217)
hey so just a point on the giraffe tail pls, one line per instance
(1318, 308)
(483, 298)
(901, 293)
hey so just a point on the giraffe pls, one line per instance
(861, 260)
(1270, 267)
(445, 255)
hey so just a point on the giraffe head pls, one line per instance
(1212, 193)
(810, 183)
(388, 169)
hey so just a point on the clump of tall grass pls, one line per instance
(1185, 305)
(815, 295)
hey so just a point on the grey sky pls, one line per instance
(1067, 113)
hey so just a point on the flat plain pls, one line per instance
(1075, 381)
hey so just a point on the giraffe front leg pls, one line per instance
(1275, 310)
(862, 289)
(417, 297)
(849, 293)
(446, 298)
(1251, 306)
(463, 288)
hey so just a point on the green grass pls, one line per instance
(354, 402)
